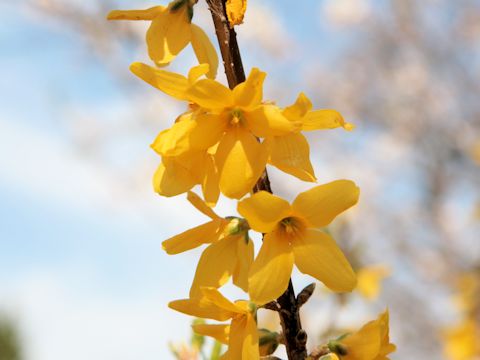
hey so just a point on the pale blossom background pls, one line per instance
(82, 272)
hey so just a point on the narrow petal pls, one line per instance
(204, 50)
(201, 206)
(201, 307)
(147, 14)
(210, 183)
(271, 269)
(250, 344)
(215, 266)
(245, 254)
(364, 344)
(190, 239)
(299, 109)
(267, 120)
(171, 178)
(236, 11)
(168, 34)
(241, 160)
(264, 211)
(321, 204)
(317, 254)
(243, 339)
(249, 94)
(219, 332)
(324, 119)
(210, 94)
(221, 301)
(197, 71)
(291, 154)
(168, 82)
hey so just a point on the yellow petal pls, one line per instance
(215, 266)
(210, 183)
(219, 332)
(236, 11)
(321, 204)
(249, 94)
(201, 206)
(317, 254)
(245, 253)
(147, 14)
(204, 50)
(197, 71)
(241, 160)
(168, 34)
(267, 120)
(210, 94)
(190, 239)
(299, 109)
(369, 280)
(291, 154)
(171, 178)
(221, 301)
(324, 119)
(264, 211)
(168, 82)
(201, 307)
(271, 270)
(364, 344)
(243, 339)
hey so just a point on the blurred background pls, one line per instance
(82, 273)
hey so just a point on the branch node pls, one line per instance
(305, 294)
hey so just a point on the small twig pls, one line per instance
(272, 305)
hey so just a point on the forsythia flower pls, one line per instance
(242, 332)
(291, 236)
(170, 31)
(228, 119)
(230, 252)
(369, 279)
(236, 11)
(371, 342)
(291, 152)
(461, 342)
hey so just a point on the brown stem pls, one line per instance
(289, 310)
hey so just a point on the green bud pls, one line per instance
(268, 341)
(236, 226)
(337, 347)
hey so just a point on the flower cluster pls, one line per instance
(223, 142)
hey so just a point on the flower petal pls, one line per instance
(271, 270)
(267, 120)
(324, 119)
(317, 254)
(249, 94)
(204, 50)
(264, 211)
(236, 11)
(210, 94)
(245, 254)
(297, 111)
(172, 178)
(221, 301)
(168, 82)
(219, 332)
(210, 186)
(147, 14)
(291, 154)
(197, 71)
(364, 344)
(201, 206)
(243, 339)
(201, 307)
(215, 266)
(241, 160)
(192, 238)
(321, 204)
(168, 34)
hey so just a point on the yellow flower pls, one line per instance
(228, 119)
(236, 11)
(461, 342)
(170, 32)
(230, 253)
(242, 332)
(371, 342)
(369, 279)
(291, 152)
(291, 236)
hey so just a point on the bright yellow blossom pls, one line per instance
(369, 279)
(462, 341)
(228, 119)
(170, 32)
(236, 11)
(242, 331)
(230, 253)
(371, 342)
(291, 236)
(291, 152)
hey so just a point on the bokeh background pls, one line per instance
(82, 273)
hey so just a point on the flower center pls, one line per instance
(292, 226)
(237, 117)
